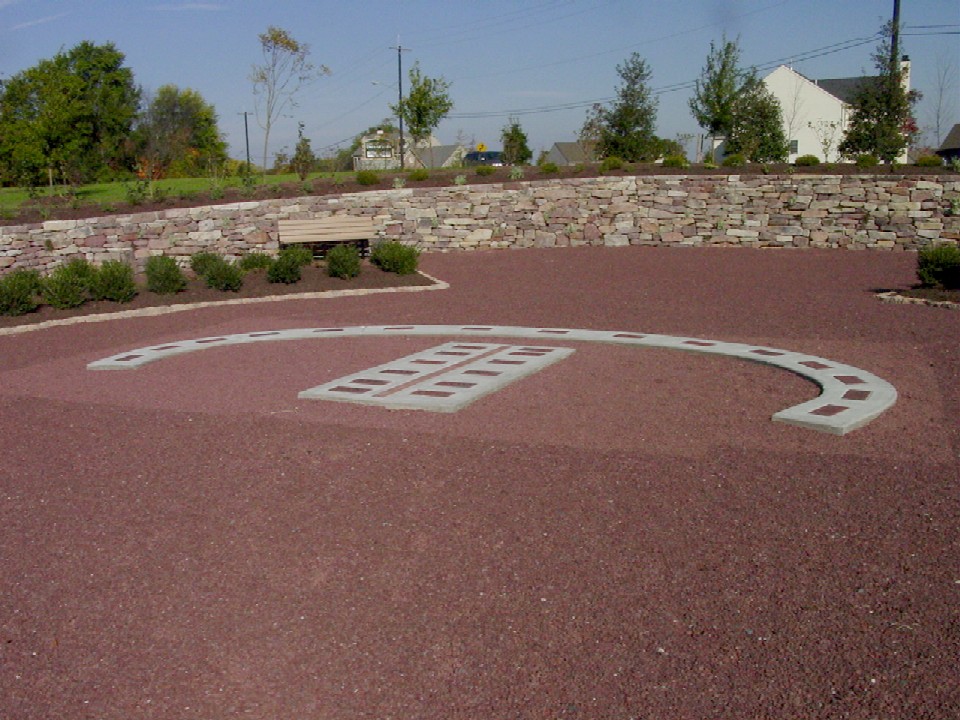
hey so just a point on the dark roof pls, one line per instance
(574, 152)
(952, 141)
(844, 89)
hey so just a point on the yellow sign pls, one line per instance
(481, 147)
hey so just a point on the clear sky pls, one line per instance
(543, 61)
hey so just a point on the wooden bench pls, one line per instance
(322, 233)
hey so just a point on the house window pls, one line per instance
(794, 146)
(378, 150)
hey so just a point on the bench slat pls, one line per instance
(329, 229)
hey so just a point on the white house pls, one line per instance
(379, 151)
(816, 112)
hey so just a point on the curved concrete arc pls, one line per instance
(850, 397)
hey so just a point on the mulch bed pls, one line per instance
(255, 285)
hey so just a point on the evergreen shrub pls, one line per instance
(202, 262)
(939, 267)
(486, 170)
(395, 257)
(255, 261)
(18, 292)
(610, 164)
(285, 269)
(675, 161)
(930, 161)
(807, 161)
(734, 160)
(419, 175)
(867, 161)
(548, 168)
(64, 288)
(299, 254)
(113, 281)
(343, 261)
(367, 177)
(164, 276)
(224, 276)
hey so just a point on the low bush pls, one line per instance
(202, 262)
(610, 164)
(113, 281)
(285, 269)
(675, 161)
(486, 170)
(939, 267)
(419, 175)
(367, 177)
(516, 173)
(395, 257)
(164, 276)
(64, 288)
(18, 292)
(930, 161)
(807, 161)
(254, 261)
(548, 168)
(734, 160)
(224, 276)
(343, 261)
(867, 161)
(299, 254)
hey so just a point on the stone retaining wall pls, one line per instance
(885, 212)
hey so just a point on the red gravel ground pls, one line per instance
(624, 535)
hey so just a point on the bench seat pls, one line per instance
(321, 233)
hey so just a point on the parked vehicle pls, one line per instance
(485, 157)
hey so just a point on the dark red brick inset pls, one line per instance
(263, 334)
(451, 383)
(829, 410)
(506, 362)
(344, 388)
(432, 393)
(166, 347)
(485, 373)
(555, 332)
(210, 340)
(370, 381)
(813, 364)
(400, 327)
(478, 329)
(400, 372)
(430, 362)
(469, 347)
(451, 352)
(629, 335)
(698, 343)
(856, 395)
(128, 358)
(849, 379)
(532, 353)
(770, 353)
(326, 330)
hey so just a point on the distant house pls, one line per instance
(380, 151)
(950, 149)
(571, 153)
(816, 112)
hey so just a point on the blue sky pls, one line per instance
(543, 61)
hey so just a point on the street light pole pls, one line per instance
(246, 135)
(399, 48)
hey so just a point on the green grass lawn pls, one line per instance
(117, 194)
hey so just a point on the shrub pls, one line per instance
(113, 281)
(939, 266)
(64, 288)
(285, 269)
(610, 164)
(224, 276)
(82, 270)
(419, 175)
(254, 261)
(548, 168)
(516, 173)
(18, 292)
(299, 254)
(486, 169)
(164, 276)
(395, 257)
(867, 161)
(460, 180)
(675, 161)
(367, 177)
(343, 261)
(930, 161)
(399, 183)
(202, 262)
(807, 161)
(734, 160)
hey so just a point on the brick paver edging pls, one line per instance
(850, 397)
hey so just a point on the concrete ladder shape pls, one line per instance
(850, 397)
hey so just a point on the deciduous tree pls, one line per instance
(757, 131)
(285, 69)
(426, 104)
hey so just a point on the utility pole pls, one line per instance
(895, 38)
(246, 135)
(399, 48)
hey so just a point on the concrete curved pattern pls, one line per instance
(850, 397)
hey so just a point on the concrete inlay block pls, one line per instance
(445, 378)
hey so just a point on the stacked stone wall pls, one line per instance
(874, 212)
